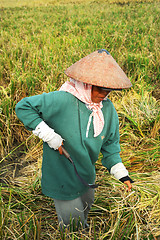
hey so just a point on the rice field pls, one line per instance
(39, 40)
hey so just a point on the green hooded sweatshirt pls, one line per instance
(68, 116)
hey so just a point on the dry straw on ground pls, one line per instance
(38, 43)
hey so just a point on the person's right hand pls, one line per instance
(55, 141)
(48, 135)
(60, 149)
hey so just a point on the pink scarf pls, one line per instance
(83, 92)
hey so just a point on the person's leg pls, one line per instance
(69, 210)
(87, 200)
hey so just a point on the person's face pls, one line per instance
(98, 94)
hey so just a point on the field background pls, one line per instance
(39, 40)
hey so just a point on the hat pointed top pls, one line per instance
(100, 69)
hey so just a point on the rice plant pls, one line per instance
(39, 40)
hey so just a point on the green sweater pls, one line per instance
(68, 116)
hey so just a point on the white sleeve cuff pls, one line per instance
(48, 135)
(119, 171)
(43, 131)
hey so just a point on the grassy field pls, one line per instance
(39, 40)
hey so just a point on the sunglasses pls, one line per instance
(108, 89)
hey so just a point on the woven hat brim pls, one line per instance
(99, 69)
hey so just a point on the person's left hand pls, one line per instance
(129, 185)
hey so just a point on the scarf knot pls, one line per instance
(83, 92)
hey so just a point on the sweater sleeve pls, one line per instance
(111, 147)
(30, 110)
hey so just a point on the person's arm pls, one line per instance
(30, 111)
(47, 134)
(111, 154)
(120, 172)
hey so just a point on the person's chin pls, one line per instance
(99, 100)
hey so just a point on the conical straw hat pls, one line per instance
(100, 69)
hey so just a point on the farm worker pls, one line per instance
(81, 118)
